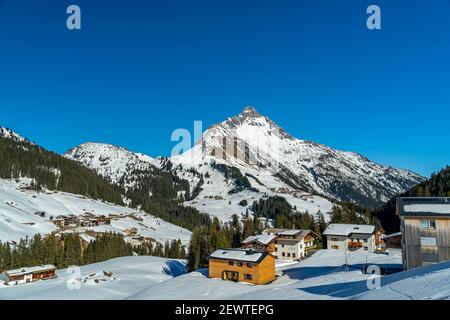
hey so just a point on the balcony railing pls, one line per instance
(353, 245)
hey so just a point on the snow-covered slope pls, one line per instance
(129, 275)
(109, 161)
(425, 283)
(9, 134)
(323, 276)
(18, 219)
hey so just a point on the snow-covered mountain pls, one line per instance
(249, 156)
(112, 162)
(256, 143)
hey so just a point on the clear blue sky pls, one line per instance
(140, 69)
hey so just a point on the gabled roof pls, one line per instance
(340, 229)
(263, 239)
(435, 207)
(246, 255)
(28, 270)
(297, 233)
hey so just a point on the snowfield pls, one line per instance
(112, 279)
(322, 276)
(18, 218)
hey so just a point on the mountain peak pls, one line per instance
(250, 111)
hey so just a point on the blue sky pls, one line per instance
(140, 69)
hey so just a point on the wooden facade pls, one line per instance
(415, 253)
(425, 229)
(238, 270)
(25, 275)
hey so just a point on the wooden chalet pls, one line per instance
(242, 265)
(262, 242)
(30, 274)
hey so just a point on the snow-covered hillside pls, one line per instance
(9, 134)
(322, 276)
(112, 279)
(110, 161)
(21, 214)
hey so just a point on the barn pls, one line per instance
(30, 274)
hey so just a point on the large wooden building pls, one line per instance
(425, 228)
(31, 274)
(242, 265)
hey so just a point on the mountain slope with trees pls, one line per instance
(437, 186)
(21, 158)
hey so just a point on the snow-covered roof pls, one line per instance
(340, 229)
(432, 206)
(290, 232)
(287, 232)
(239, 254)
(23, 271)
(262, 238)
(86, 237)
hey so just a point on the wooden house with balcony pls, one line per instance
(262, 242)
(292, 244)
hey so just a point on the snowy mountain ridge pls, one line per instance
(9, 134)
(302, 164)
(306, 173)
(109, 161)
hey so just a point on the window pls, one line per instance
(334, 239)
(276, 249)
(428, 241)
(240, 264)
(366, 249)
(283, 254)
(301, 246)
(427, 224)
(365, 240)
(248, 276)
(282, 245)
(231, 263)
(334, 247)
(429, 258)
(289, 255)
(249, 265)
(293, 255)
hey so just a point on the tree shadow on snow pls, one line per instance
(174, 268)
(349, 289)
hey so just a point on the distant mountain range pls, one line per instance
(247, 157)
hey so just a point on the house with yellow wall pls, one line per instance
(242, 265)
